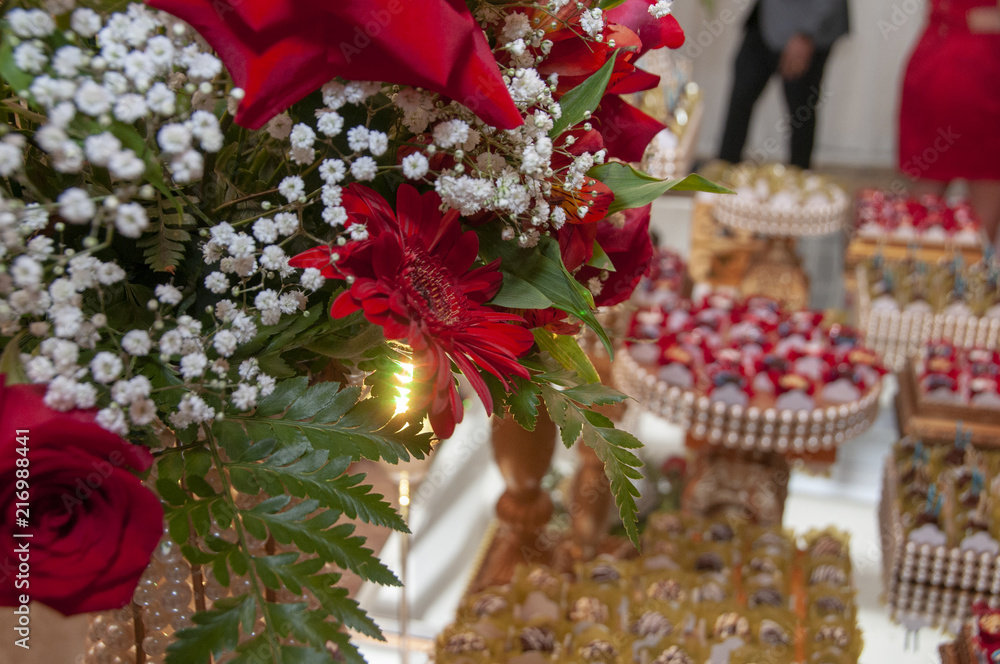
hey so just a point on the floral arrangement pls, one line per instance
(225, 229)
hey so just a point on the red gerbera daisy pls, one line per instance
(414, 277)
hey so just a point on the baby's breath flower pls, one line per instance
(292, 188)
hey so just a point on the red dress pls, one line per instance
(949, 125)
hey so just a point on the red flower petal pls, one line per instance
(414, 277)
(279, 51)
(94, 524)
(630, 250)
(626, 130)
(654, 32)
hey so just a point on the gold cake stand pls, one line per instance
(776, 271)
(742, 454)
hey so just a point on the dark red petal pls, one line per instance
(344, 305)
(630, 250)
(576, 244)
(635, 81)
(279, 51)
(462, 254)
(366, 206)
(654, 33)
(317, 257)
(626, 130)
(475, 380)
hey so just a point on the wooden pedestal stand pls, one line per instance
(719, 256)
(777, 273)
(524, 509)
(751, 485)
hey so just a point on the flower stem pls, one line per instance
(227, 493)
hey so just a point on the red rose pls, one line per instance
(630, 249)
(632, 31)
(279, 51)
(93, 524)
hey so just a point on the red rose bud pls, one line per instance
(675, 465)
(93, 524)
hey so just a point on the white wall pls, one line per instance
(857, 117)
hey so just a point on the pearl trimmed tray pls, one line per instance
(930, 585)
(745, 214)
(748, 428)
(899, 335)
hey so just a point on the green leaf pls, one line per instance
(305, 625)
(334, 599)
(368, 430)
(584, 98)
(594, 394)
(600, 259)
(565, 350)
(285, 393)
(16, 78)
(215, 632)
(516, 293)
(610, 4)
(634, 188)
(307, 474)
(543, 268)
(10, 361)
(612, 446)
(171, 492)
(523, 403)
(337, 347)
(164, 245)
(312, 401)
(313, 531)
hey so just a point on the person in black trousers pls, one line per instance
(792, 38)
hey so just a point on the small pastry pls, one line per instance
(833, 633)
(719, 532)
(710, 561)
(598, 650)
(487, 605)
(588, 609)
(539, 639)
(465, 642)
(666, 590)
(652, 623)
(673, 655)
(830, 574)
(731, 624)
(829, 604)
(773, 634)
(765, 597)
(604, 573)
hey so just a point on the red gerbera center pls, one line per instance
(431, 291)
(414, 276)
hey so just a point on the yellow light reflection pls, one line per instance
(405, 377)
